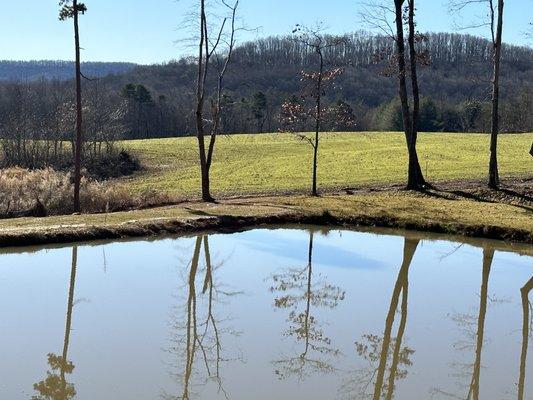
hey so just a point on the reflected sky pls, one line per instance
(283, 313)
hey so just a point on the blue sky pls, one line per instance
(146, 31)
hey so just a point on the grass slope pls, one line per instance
(277, 163)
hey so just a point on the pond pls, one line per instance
(288, 313)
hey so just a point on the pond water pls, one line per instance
(292, 313)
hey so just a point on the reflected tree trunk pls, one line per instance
(399, 339)
(191, 319)
(488, 255)
(308, 294)
(202, 338)
(304, 295)
(70, 304)
(209, 288)
(400, 287)
(524, 292)
(55, 386)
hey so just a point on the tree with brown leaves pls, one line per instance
(296, 112)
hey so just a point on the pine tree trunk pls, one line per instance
(78, 141)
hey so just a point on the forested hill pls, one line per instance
(459, 71)
(160, 99)
(52, 69)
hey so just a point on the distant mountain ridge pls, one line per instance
(57, 69)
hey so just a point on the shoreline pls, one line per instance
(397, 210)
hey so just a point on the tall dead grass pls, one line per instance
(46, 191)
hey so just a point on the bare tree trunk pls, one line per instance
(494, 179)
(216, 123)
(78, 144)
(318, 117)
(220, 86)
(402, 86)
(200, 93)
(415, 178)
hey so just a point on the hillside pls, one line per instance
(455, 87)
(458, 77)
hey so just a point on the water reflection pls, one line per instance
(335, 332)
(55, 385)
(298, 292)
(488, 255)
(473, 328)
(527, 330)
(386, 351)
(200, 339)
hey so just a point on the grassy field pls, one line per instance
(271, 163)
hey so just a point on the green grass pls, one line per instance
(270, 163)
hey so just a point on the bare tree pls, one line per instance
(72, 9)
(495, 22)
(294, 113)
(207, 48)
(377, 15)
(415, 179)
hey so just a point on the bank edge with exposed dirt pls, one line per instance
(228, 223)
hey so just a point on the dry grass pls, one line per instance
(22, 189)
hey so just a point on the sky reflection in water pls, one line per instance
(262, 314)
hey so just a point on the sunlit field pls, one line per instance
(276, 163)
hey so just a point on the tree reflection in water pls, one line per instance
(474, 330)
(198, 342)
(387, 351)
(527, 330)
(300, 291)
(55, 385)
